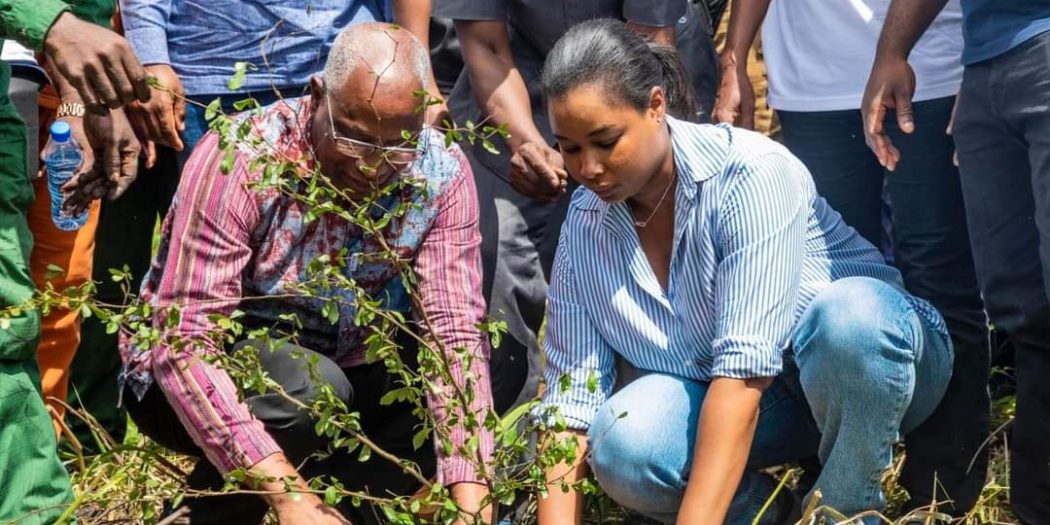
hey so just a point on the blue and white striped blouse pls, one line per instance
(753, 245)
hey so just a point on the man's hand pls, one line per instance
(537, 171)
(111, 137)
(163, 117)
(276, 474)
(890, 86)
(97, 62)
(735, 102)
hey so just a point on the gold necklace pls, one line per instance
(643, 224)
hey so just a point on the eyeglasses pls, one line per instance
(400, 159)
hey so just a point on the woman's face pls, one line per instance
(608, 146)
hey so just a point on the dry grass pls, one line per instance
(130, 483)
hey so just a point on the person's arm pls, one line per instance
(564, 507)
(575, 352)
(761, 230)
(891, 84)
(104, 136)
(206, 236)
(162, 118)
(735, 102)
(414, 15)
(536, 169)
(448, 272)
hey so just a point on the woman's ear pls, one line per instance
(657, 103)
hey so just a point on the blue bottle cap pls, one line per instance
(60, 131)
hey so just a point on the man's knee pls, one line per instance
(304, 377)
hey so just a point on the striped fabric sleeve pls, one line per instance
(448, 270)
(209, 226)
(580, 370)
(761, 229)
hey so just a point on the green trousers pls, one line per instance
(34, 486)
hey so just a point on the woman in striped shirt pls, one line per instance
(764, 329)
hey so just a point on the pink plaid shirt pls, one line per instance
(223, 240)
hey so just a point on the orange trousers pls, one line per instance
(72, 251)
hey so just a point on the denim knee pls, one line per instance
(634, 460)
(856, 323)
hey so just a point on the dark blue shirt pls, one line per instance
(285, 41)
(993, 27)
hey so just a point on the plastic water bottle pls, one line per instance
(62, 156)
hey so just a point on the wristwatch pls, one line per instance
(69, 109)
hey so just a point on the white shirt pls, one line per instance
(819, 53)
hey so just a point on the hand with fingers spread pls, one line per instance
(537, 170)
(116, 152)
(162, 118)
(97, 62)
(735, 102)
(890, 88)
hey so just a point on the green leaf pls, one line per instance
(53, 271)
(592, 382)
(364, 455)
(564, 383)
(227, 161)
(420, 437)
(331, 496)
(214, 108)
(240, 69)
(397, 394)
(489, 146)
(244, 104)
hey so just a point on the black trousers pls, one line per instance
(390, 426)
(947, 457)
(1002, 132)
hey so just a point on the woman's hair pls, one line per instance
(605, 51)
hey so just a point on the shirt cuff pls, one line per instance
(31, 20)
(150, 44)
(576, 417)
(740, 358)
(655, 14)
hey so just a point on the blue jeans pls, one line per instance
(197, 125)
(865, 368)
(932, 251)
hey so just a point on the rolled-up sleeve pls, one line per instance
(580, 370)
(761, 229)
(659, 13)
(145, 27)
(448, 270)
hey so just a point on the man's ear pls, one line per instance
(316, 89)
(657, 102)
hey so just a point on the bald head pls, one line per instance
(368, 94)
(375, 62)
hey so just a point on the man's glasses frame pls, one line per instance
(399, 158)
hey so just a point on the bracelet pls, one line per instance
(69, 109)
